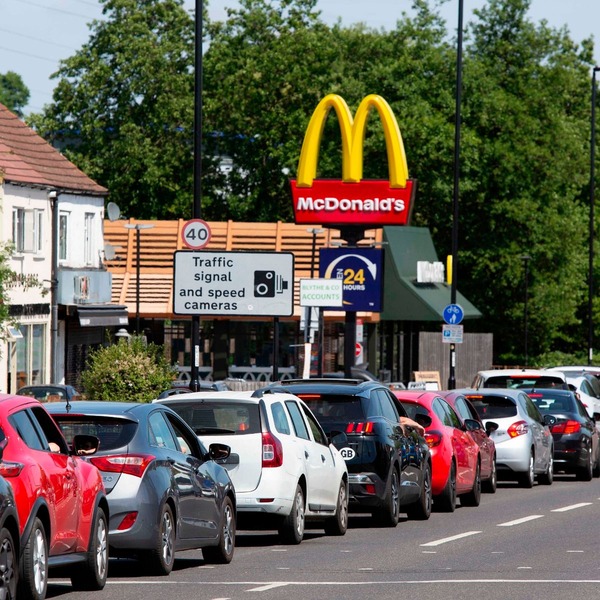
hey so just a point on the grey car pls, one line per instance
(165, 491)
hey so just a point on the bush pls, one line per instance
(128, 371)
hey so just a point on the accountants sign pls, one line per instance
(352, 201)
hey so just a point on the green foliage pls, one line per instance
(13, 92)
(127, 372)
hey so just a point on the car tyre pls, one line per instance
(222, 553)
(490, 485)
(162, 557)
(8, 566)
(338, 525)
(421, 510)
(446, 501)
(291, 531)
(473, 498)
(548, 477)
(585, 473)
(389, 515)
(91, 575)
(527, 478)
(34, 564)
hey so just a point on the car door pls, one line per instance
(542, 437)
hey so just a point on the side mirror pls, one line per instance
(84, 445)
(472, 425)
(490, 427)
(423, 420)
(218, 451)
(549, 420)
(338, 438)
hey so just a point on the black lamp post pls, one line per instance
(592, 228)
(526, 258)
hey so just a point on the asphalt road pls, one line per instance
(518, 544)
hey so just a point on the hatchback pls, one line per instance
(524, 444)
(284, 469)
(165, 491)
(389, 467)
(576, 437)
(455, 455)
(61, 503)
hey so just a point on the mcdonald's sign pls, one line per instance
(352, 201)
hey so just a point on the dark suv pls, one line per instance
(388, 468)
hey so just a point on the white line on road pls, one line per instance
(269, 586)
(519, 521)
(451, 538)
(572, 507)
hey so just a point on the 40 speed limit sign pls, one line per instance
(195, 234)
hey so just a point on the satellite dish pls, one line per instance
(113, 210)
(109, 251)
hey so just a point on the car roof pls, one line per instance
(416, 395)
(348, 387)
(252, 397)
(507, 392)
(99, 407)
(557, 392)
(520, 372)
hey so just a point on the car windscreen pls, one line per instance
(493, 407)
(520, 382)
(112, 432)
(214, 417)
(330, 409)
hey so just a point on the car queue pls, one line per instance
(185, 471)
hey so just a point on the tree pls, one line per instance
(128, 371)
(13, 92)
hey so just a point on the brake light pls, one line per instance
(130, 464)
(566, 427)
(272, 451)
(10, 469)
(433, 438)
(128, 521)
(366, 428)
(517, 429)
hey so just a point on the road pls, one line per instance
(518, 544)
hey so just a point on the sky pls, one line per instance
(36, 34)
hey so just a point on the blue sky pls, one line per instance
(36, 34)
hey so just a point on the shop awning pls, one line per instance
(103, 315)
(404, 299)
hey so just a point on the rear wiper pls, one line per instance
(201, 430)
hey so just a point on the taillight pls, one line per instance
(128, 521)
(517, 429)
(10, 469)
(272, 451)
(433, 438)
(366, 428)
(566, 427)
(131, 464)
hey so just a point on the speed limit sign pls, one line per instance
(195, 234)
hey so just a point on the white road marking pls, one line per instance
(519, 521)
(524, 567)
(429, 551)
(575, 551)
(269, 586)
(572, 507)
(278, 550)
(451, 538)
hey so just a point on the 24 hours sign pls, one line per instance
(233, 283)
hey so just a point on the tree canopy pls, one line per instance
(123, 112)
(13, 92)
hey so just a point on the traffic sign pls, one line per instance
(453, 314)
(195, 234)
(452, 334)
(358, 350)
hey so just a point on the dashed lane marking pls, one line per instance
(571, 507)
(519, 521)
(452, 538)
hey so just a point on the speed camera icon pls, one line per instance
(267, 284)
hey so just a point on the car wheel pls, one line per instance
(526, 479)
(389, 514)
(421, 510)
(222, 553)
(548, 477)
(338, 525)
(585, 473)
(473, 498)
(91, 574)
(491, 484)
(162, 557)
(8, 566)
(446, 501)
(34, 564)
(291, 530)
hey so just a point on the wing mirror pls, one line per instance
(423, 420)
(549, 420)
(83, 445)
(490, 427)
(472, 425)
(218, 451)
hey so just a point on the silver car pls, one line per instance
(524, 443)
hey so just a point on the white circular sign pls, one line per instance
(347, 453)
(195, 234)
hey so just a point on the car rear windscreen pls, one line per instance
(112, 433)
(214, 417)
(493, 407)
(330, 408)
(520, 382)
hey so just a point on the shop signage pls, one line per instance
(321, 292)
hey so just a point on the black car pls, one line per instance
(576, 438)
(388, 468)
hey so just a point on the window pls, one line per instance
(317, 432)
(27, 230)
(88, 239)
(296, 415)
(387, 407)
(160, 433)
(462, 408)
(31, 353)
(63, 235)
(280, 419)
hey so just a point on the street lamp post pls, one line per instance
(138, 246)
(592, 228)
(526, 258)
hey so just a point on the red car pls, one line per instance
(487, 447)
(455, 456)
(62, 507)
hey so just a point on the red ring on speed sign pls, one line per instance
(195, 234)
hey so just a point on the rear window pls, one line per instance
(217, 417)
(329, 408)
(553, 402)
(493, 407)
(113, 433)
(518, 382)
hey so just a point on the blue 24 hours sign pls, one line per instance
(361, 271)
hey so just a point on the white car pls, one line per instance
(585, 382)
(284, 469)
(519, 378)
